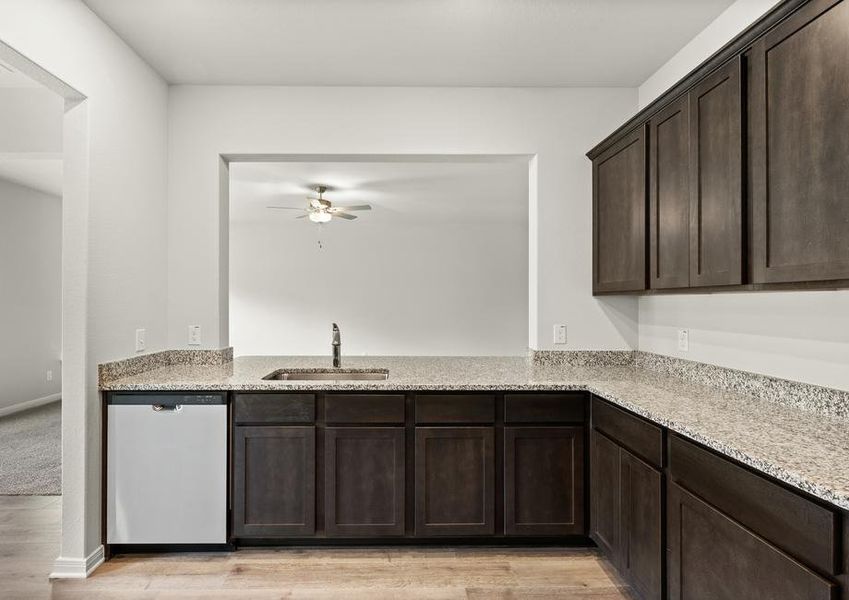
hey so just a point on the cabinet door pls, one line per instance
(455, 481)
(800, 147)
(712, 557)
(716, 179)
(669, 197)
(274, 481)
(619, 216)
(604, 494)
(364, 481)
(641, 557)
(544, 480)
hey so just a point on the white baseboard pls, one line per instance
(77, 568)
(21, 406)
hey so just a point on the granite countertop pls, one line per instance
(805, 449)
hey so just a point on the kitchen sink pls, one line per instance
(328, 375)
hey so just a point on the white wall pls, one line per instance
(30, 120)
(555, 125)
(402, 289)
(115, 243)
(30, 294)
(722, 30)
(796, 335)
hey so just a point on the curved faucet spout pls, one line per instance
(336, 346)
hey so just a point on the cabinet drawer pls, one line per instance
(634, 433)
(798, 526)
(364, 408)
(544, 408)
(274, 408)
(455, 408)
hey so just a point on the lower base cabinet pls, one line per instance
(455, 481)
(273, 481)
(544, 481)
(364, 481)
(626, 507)
(712, 557)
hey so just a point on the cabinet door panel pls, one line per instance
(641, 527)
(712, 557)
(544, 480)
(274, 481)
(716, 179)
(669, 197)
(455, 481)
(800, 167)
(619, 216)
(364, 481)
(604, 494)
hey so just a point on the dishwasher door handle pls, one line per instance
(167, 407)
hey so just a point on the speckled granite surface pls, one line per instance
(142, 363)
(583, 358)
(803, 448)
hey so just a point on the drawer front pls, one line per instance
(796, 525)
(544, 408)
(455, 408)
(364, 408)
(274, 408)
(634, 433)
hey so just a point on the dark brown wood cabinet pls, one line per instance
(641, 549)
(364, 481)
(800, 168)
(273, 481)
(712, 557)
(605, 497)
(669, 196)
(626, 497)
(544, 481)
(756, 138)
(619, 215)
(455, 481)
(716, 178)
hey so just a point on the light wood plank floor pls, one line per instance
(29, 534)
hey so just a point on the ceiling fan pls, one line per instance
(319, 210)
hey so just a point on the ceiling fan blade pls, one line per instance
(345, 216)
(285, 207)
(355, 207)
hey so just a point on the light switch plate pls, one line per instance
(140, 345)
(559, 334)
(194, 335)
(684, 340)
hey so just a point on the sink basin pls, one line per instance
(328, 375)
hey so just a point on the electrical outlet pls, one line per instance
(194, 335)
(140, 340)
(559, 334)
(684, 340)
(49, 375)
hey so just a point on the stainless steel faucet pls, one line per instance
(336, 347)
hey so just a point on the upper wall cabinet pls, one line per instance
(716, 179)
(747, 160)
(800, 152)
(619, 215)
(669, 196)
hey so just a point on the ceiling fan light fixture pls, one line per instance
(320, 216)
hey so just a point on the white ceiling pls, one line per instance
(408, 42)
(399, 192)
(42, 174)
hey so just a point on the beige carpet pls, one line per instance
(31, 452)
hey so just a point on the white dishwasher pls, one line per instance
(166, 468)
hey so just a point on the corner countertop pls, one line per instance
(805, 449)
